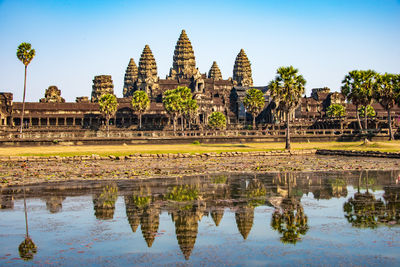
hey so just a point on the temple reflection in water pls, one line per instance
(186, 200)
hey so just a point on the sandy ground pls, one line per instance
(15, 173)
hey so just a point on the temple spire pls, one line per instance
(242, 70)
(147, 72)
(184, 63)
(131, 76)
(215, 72)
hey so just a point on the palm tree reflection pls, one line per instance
(27, 248)
(289, 218)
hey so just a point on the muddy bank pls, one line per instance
(15, 172)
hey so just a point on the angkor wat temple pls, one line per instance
(212, 92)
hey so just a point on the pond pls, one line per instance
(335, 218)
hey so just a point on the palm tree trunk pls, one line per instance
(287, 131)
(108, 126)
(391, 135)
(182, 122)
(140, 121)
(254, 121)
(174, 119)
(365, 118)
(358, 118)
(26, 215)
(23, 102)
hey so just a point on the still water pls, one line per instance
(346, 218)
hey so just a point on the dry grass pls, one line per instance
(120, 150)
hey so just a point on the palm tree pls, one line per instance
(287, 89)
(386, 90)
(357, 87)
(108, 107)
(25, 54)
(140, 103)
(254, 102)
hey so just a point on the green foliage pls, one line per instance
(25, 53)
(141, 201)
(291, 223)
(217, 120)
(220, 179)
(140, 101)
(287, 88)
(370, 111)
(108, 197)
(108, 105)
(254, 102)
(196, 142)
(363, 211)
(387, 90)
(183, 193)
(358, 85)
(336, 110)
(27, 249)
(180, 101)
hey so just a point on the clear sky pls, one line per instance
(76, 40)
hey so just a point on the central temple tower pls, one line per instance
(184, 63)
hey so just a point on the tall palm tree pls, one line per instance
(386, 90)
(357, 87)
(25, 53)
(140, 103)
(287, 89)
(108, 107)
(254, 102)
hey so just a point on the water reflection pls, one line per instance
(188, 199)
(104, 202)
(363, 210)
(289, 218)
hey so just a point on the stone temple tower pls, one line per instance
(242, 70)
(147, 72)
(102, 84)
(184, 63)
(131, 76)
(215, 72)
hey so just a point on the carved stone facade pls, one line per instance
(131, 76)
(52, 95)
(6, 107)
(242, 70)
(102, 84)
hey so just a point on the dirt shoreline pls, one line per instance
(32, 172)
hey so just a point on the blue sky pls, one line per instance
(76, 40)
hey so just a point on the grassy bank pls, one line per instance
(122, 150)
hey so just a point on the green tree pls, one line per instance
(173, 104)
(190, 110)
(140, 103)
(357, 86)
(25, 53)
(370, 111)
(217, 120)
(336, 110)
(189, 105)
(108, 107)
(287, 89)
(254, 103)
(386, 91)
(179, 102)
